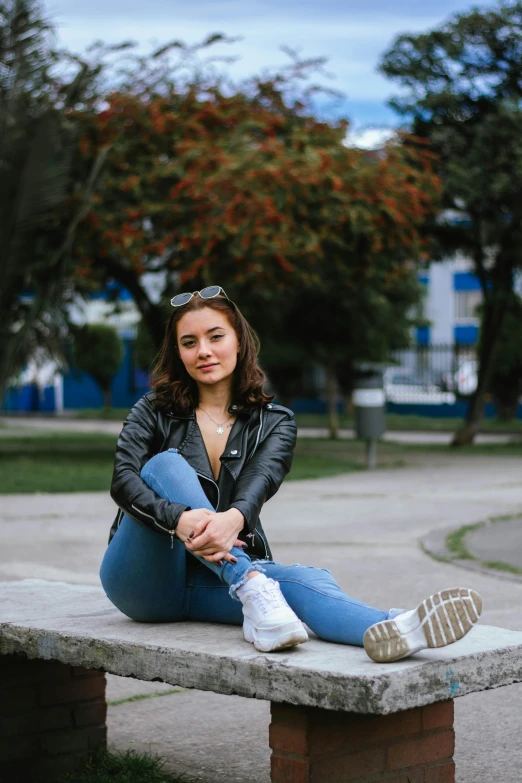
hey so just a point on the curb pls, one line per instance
(434, 545)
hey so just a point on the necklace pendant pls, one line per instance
(220, 430)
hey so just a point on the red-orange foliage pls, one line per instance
(229, 187)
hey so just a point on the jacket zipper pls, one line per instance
(172, 533)
(202, 475)
(157, 524)
(252, 535)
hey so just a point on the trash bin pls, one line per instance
(369, 403)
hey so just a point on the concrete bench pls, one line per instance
(336, 715)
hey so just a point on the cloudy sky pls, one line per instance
(352, 34)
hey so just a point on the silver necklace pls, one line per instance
(219, 429)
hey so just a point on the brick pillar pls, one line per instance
(311, 745)
(52, 717)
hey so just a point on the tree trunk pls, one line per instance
(491, 326)
(506, 409)
(152, 314)
(331, 392)
(107, 394)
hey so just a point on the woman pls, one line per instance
(196, 459)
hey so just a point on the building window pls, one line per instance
(466, 306)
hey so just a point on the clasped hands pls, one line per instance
(211, 534)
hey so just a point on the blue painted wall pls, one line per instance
(466, 334)
(465, 281)
(81, 391)
(422, 335)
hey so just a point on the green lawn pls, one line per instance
(57, 463)
(83, 462)
(394, 421)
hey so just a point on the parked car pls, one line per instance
(402, 386)
(464, 380)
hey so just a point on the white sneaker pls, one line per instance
(441, 619)
(269, 622)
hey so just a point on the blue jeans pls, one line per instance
(151, 580)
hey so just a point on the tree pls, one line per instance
(37, 144)
(252, 190)
(145, 349)
(462, 90)
(98, 350)
(506, 378)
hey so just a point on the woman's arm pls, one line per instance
(134, 448)
(263, 474)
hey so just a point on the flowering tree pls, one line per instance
(251, 191)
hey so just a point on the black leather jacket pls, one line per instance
(257, 457)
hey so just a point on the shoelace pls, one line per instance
(268, 597)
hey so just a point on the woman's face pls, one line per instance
(208, 345)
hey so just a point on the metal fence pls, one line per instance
(433, 374)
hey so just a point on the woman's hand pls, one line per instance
(192, 522)
(218, 536)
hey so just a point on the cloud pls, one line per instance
(351, 35)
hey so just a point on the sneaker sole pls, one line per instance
(441, 619)
(268, 640)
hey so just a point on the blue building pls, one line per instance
(453, 296)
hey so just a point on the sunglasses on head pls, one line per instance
(206, 293)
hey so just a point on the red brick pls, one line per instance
(17, 700)
(438, 716)
(74, 690)
(286, 770)
(445, 773)
(49, 769)
(17, 667)
(424, 750)
(290, 714)
(23, 671)
(22, 748)
(90, 713)
(81, 671)
(290, 739)
(354, 766)
(411, 776)
(36, 721)
(355, 731)
(57, 743)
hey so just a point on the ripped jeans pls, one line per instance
(150, 580)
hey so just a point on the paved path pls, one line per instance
(500, 542)
(364, 527)
(10, 425)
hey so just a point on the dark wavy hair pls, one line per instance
(177, 391)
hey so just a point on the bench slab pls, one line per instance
(78, 626)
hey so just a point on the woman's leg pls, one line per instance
(142, 573)
(318, 601)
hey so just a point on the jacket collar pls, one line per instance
(194, 450)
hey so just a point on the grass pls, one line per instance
(141, 696)
(394, 421)
(127, 767)
(83, 462)
(56, 463)
(456, 544)
(413, 423)
(455, 541)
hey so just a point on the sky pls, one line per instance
(351, 34)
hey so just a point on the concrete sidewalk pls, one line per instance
(365, 527)
(499, 541)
